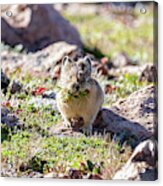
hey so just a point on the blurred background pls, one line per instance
(109, 28)
(104, 28)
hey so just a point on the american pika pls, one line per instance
(80, 96)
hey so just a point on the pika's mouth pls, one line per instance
(79, 93)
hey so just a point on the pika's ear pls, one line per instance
(88, 61)
(66, 60)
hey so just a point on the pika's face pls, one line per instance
(75, 74)
(84, 69)
(69, 75)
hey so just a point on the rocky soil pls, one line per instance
(124, 138)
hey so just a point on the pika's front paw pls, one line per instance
(77, 123)
(88, 130)
(67, 124)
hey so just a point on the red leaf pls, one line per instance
(104, 60)
(38, 91)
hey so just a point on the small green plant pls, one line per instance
(68, 96)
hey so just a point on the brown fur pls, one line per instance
(85, 107)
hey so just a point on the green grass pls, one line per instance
(125, 85)
(32, 147)
(60, 154)
(106, 36)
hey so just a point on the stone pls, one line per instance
(142, 164)
(16, 86)
(121, 60)
(40, 63)
(4, 112)
(36, 26)
(135, 116)
(149, 73)
(7, 118)
(49, 94)
(141, 107)
(50, 175)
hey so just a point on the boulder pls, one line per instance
(140, 107)
(121, 59)
(39, 63)
(142, 164)
(135, 116)
(149, 73)
(36, 26)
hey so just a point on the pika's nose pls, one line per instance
(80, 74)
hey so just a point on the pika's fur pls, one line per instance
(76, 79)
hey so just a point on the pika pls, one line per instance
(80, 96)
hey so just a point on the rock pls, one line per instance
(141, 107)
(75, 174)
(50, 175)
(4, 81)
(9, 33)
(49, 94)
(4, 112)
(142, 165)
(76, 54)
(8, 118)
(55, 52)
(36, 26)
(95, 177)
(41, 63)
(122, 128)
(11, 120)
(129, 69)
(149, 73)
(16, 86)
(134, 117)
(35, 174)
(121, 60)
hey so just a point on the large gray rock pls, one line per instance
(120, 60)
(36, 26)
(135, 116)
(40, 63)
(142, 165)
(140, 107)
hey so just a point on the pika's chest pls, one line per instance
(76, 104)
